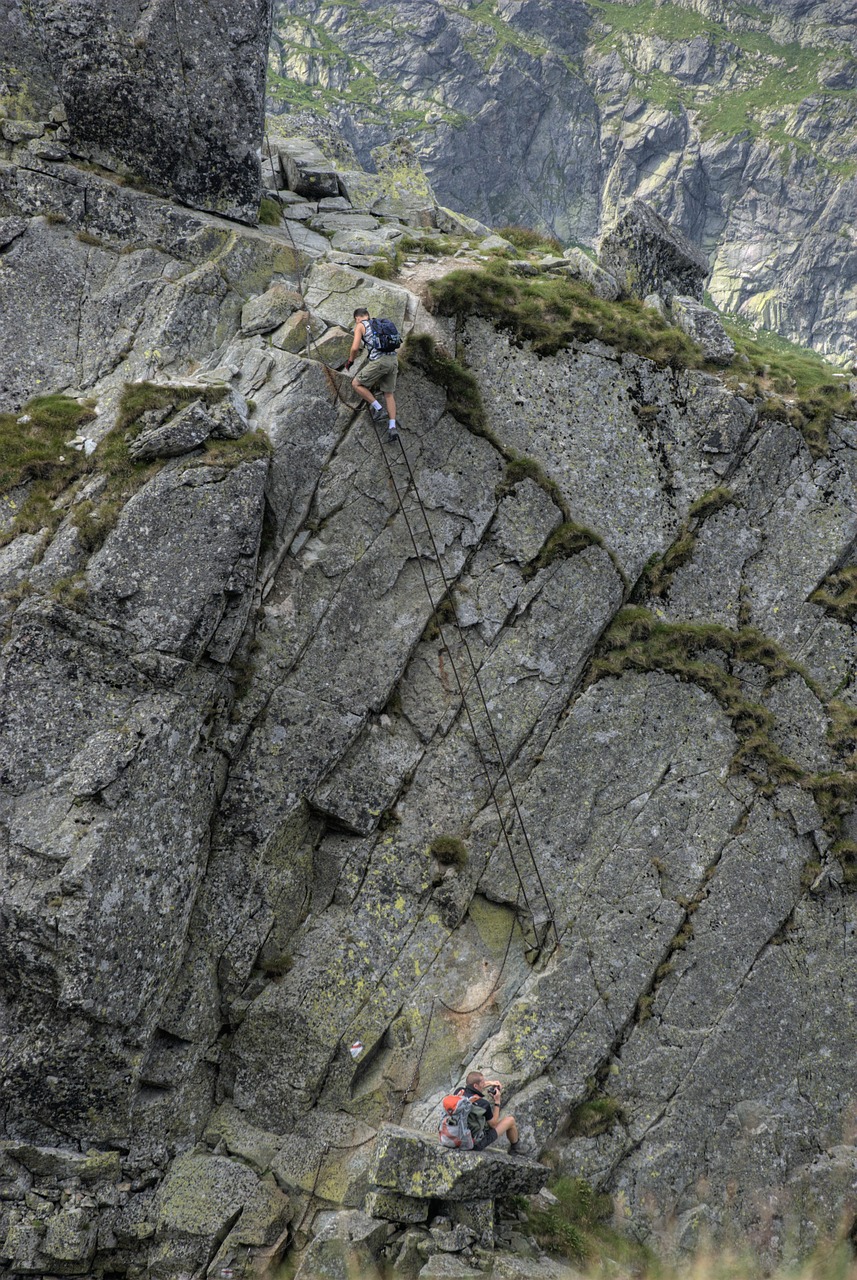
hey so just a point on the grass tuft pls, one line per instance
(531, 240)
(450, 851)
(270, 214)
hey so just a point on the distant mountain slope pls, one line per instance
(737, 121)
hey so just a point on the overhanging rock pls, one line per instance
(415, 1164)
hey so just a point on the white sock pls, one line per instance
(376, 404)
(392, 424)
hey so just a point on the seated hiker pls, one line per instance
(487, 1095)
(379, 372)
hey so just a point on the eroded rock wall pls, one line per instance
(233, 733)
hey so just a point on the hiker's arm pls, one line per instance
(355, 345)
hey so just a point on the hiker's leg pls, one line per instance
(391, 404)
(507, 1125)
(368, 396)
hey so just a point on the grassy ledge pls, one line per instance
(551, 313)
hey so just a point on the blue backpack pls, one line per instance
(383, 336)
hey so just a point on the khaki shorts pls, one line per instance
(380, 374)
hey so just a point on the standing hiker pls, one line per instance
(379, 373)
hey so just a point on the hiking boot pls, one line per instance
(392, 435)
(515, 1149)
(378, 415)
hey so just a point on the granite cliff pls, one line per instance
(737, 122)
(249, 822)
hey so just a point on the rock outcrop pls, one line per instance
(739, 127)
(266, 888)
(172, 93)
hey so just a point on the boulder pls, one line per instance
(497, 244)
(404, 189)
(645, 254)
(704, 327)
(459, 224)
(366, 243)
(269, 309)
(445, 1264)
(197, 1204)
(306, 170)
(136, 85)
(334, 292)
(415, 1164)
(581, 267)
(292, 335)
(186, 431)
(230, 417)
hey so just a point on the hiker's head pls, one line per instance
(475, 1080)
(361, 314)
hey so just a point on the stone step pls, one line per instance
(415, 1164)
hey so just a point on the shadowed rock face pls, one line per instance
(171, 89)
(26, 88)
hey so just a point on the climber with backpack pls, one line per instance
(471, 1116)
(381, 339)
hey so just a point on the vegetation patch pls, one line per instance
(270, 213)
(34, 452)
(659, 573)
(569, 539)
(577, 1229)
(795, 385)
(553, 313)
(596, 1116)
(837, 594)
(637, 641)
(530, 240)
(449, 851)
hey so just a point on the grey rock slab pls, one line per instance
(349, 1241)
(800, 724)
(363, 244)
(708, 585)
(181, 434)
(334, 292)
(307, 171)
(334, 221)
(136, 88)
(369, 777)
(645, 254)
(703, 327)
(396, 1208)
(416, 1164)
(183, 546)
(628, 476)
(269, 310)
(806, 517)
(17, 557)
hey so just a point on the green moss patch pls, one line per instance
(577, 1229)
(270, 214)
(552, 313)
(837, 594)
(450, 851)
(531, 240)
(464, 399)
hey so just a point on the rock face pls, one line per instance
(646, 255)
(740, 128)
(234, 759)
(171, 92)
